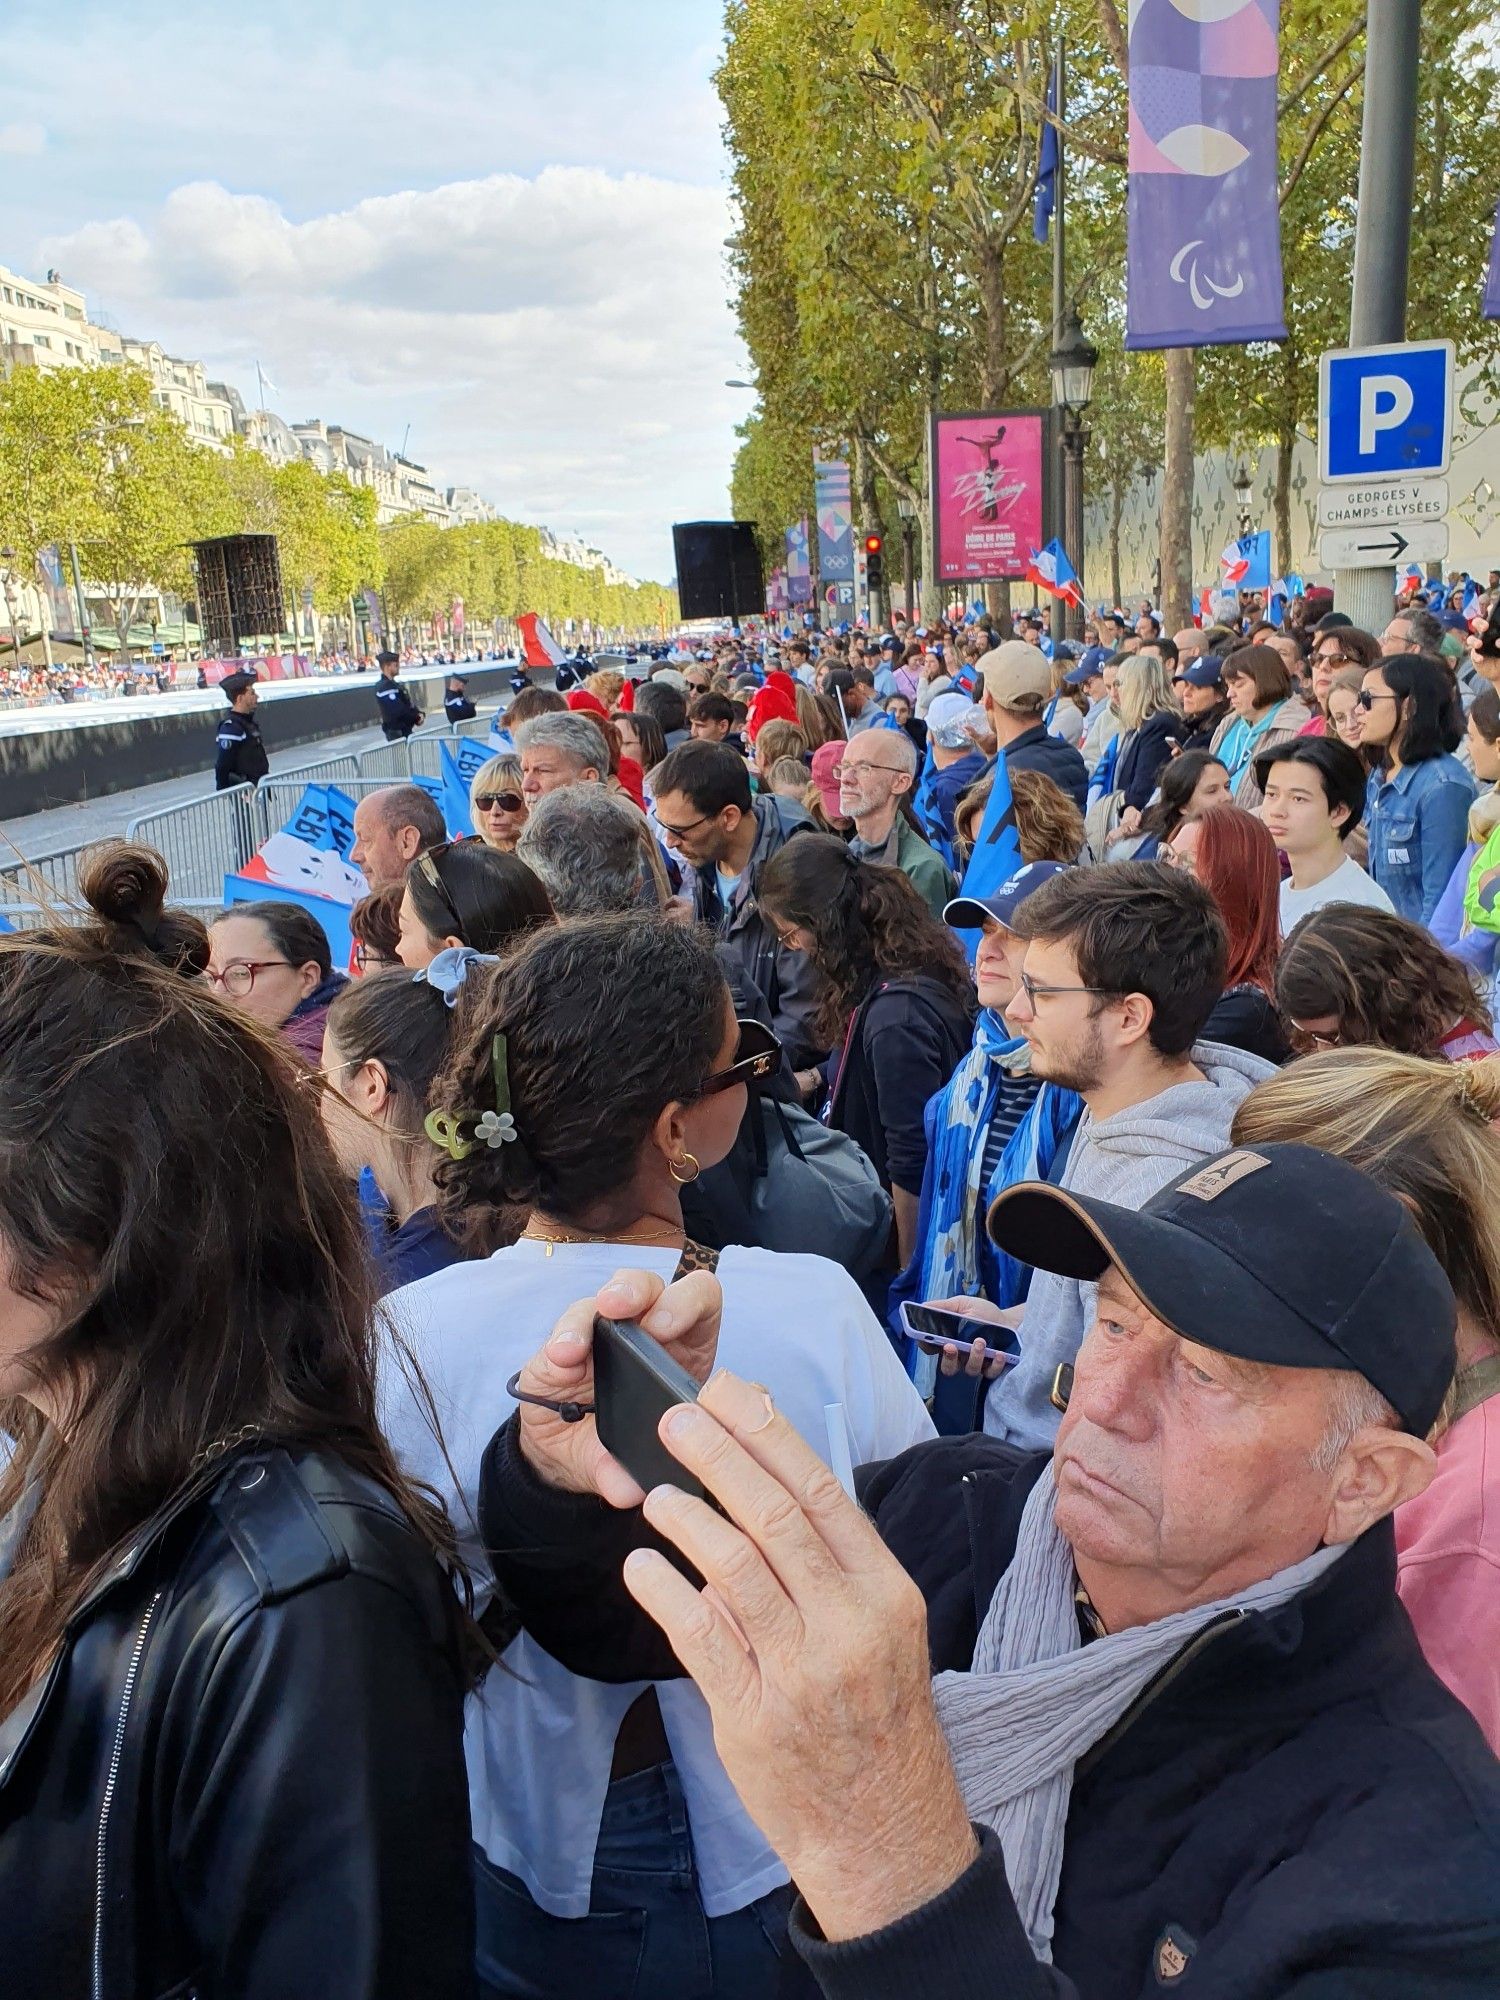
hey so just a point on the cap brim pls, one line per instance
(967, 913)
(1194, 1286)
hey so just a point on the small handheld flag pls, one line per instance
(1050, 570)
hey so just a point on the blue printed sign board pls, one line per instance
(1386, 412)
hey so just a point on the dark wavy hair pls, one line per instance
(607, 1020)
(1179, 781)
(168, 1196)
(1382, 978)
(866, 923)
(482, 896)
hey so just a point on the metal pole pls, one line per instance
(84, 629)
(1059, 304)
(908, 566)
(1075, 442)
(1382, 234)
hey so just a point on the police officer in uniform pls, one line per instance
(456, 703)
(399, 714)
(241, 758)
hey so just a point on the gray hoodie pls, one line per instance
(1124, 1159)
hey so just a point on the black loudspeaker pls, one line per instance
(718, 569)
(239, 591)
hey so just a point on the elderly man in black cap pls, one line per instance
(399, 714)
(1179, 1729)
(240, 756)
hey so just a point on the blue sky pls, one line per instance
(501, 225)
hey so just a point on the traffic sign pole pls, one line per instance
(1382, 235)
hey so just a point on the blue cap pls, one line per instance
(1080, 676)
(972, 913)
(1205, 673)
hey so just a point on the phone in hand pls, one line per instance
(635, 1383)
(935, 1327)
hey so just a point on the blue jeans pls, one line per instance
(645, 1937)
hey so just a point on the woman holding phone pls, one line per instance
(595, 1073)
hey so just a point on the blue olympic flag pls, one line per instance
(1385, 412)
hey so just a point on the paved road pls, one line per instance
(95, 819)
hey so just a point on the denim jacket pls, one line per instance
(1418, 820)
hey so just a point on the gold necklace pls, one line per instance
(664, 1235)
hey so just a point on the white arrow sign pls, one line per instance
(1382, 503)
(1383, 548)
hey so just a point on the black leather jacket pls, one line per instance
(243, 1773)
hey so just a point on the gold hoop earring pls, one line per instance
(674, 1168)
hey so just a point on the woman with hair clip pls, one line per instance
(1349, 975)
(386, 1039)
(231, 1680)
(466, 893)
(1417, 815)
(1426, 1132)
(895, 1004)
(1234, 857)
(596, 1072)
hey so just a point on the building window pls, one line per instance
(40, 340)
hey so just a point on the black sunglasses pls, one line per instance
(757, 1056)
(506, 802)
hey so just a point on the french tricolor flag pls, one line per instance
(1051, 571)
(537, 643)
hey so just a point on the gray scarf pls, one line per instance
(1037, 1699)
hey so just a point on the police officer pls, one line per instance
(456, 703)
(241, 758)
(399, 714)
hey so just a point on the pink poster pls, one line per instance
(989, 504)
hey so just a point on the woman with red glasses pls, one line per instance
(273, 962)
(595, 1073)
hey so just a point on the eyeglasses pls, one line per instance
(1367, 698)
(757, 1056)
(1034, 992)
(506, 802)
(679, 831)
(865, 764)
(366, 955)
(238, 977)
(1307, 1041)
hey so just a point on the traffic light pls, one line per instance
(874, 563)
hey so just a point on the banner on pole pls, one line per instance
(798, 564)
(989, 500)
(835, 519)
(1203, 241)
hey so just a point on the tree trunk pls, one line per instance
(1286, 441)
(1116, 514)
(1177, 491)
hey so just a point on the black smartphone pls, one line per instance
(635, 1383)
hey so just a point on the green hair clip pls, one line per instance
(491, 1128)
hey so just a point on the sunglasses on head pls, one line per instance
(506, 802)
(757, 1056)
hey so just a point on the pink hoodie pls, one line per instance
(1448, 1564)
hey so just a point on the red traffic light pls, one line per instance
(874, 544)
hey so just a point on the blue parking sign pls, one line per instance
(1386, 412)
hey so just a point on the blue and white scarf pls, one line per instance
(955, 1257)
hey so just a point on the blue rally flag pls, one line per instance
(1255, 554)
(1046, 170)
(997, 851)
(5, 923)
(455, 799)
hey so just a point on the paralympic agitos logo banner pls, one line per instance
(1204, 239)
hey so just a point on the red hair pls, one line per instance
(1237, 864)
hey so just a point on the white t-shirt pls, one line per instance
(539, 1740)
(1347, 884)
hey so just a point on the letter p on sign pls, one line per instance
(1385, 403)
(1386, 412)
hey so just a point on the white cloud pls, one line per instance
(23, 138)
(558, 342)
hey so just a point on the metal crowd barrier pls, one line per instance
(39, 890)
(202, 841)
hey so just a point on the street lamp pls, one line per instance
(1072, 363)
(907, 509)
(1242, 481)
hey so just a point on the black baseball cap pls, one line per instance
(1279, 1254)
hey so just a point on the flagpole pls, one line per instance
(1059, 310)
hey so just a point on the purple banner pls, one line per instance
(835, 519)
(1204, 233)
(798, 564)
(1492, 276)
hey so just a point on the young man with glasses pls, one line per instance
(1123, 966)
(708, 817)
(878, 769)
